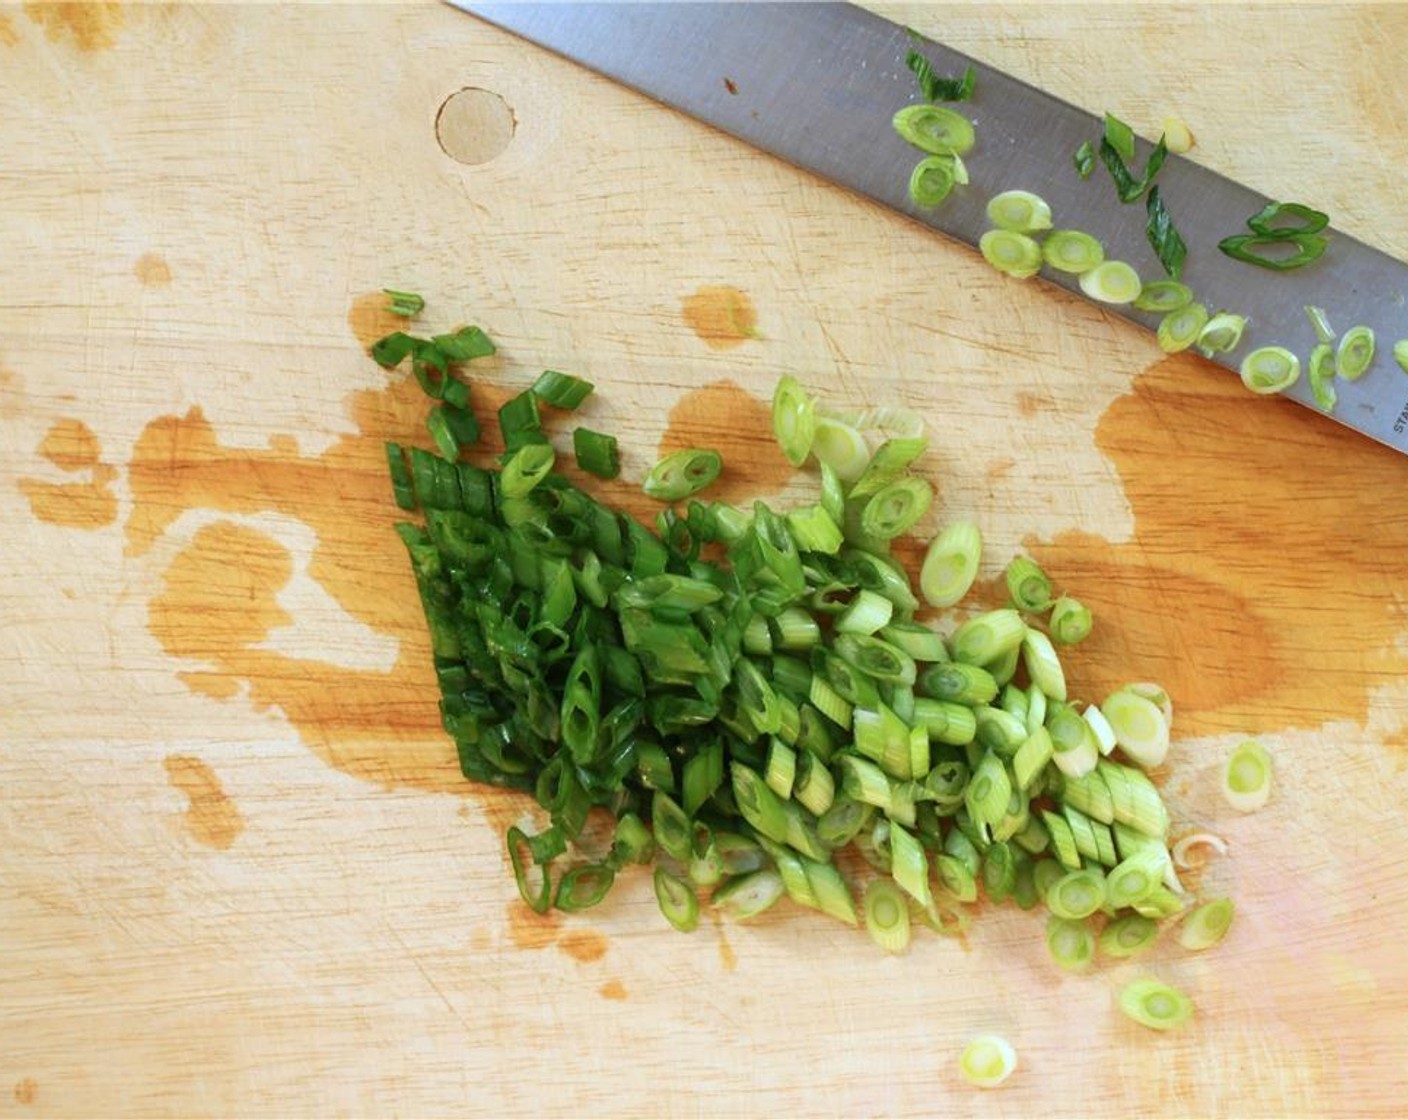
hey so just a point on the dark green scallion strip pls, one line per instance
(585, 886)
(682, 474)
(405, 304)
(561, 390)
(596, 453)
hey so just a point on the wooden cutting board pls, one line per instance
(239, 870)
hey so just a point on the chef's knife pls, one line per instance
(817, 84)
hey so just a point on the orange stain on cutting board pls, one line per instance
(9, 37)
(26, 1091)
(152, 271)
(723, 317)
(1258, 585)
(613, 989)
(89, 27)
(212, 818)
(727, 418)
(530, 930)
(583, 945)
(71, 446)
(371, 319)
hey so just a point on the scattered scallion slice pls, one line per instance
(1127, 935)
(1015, 254)
(1070, 621)
(1112, 282)
(1019, 211)
(1070, 250)
(951, 564)
(1155, 1005)
(936, 88)
(1164, 238)
(1183, 849)
(933, 179)
(1085, 159)
(1140, 729)
(1177, 135)
(1246, 777)
(1179, 329)
(1273, 251)
(1164, 296)
(1070, 943)
(1222, 333)
(793, 419)
(988, 637)
(887, 915)
(561, 390)
(1320, 323)
(1043, 665)
(1400, 354)
(1355, 353)
(1207, 925)
(1320, 372)
(1270, 369)
(935, 129)
(682, 474)
(987, 1061)
(1134, 878)
(1076, 895)
(596, 453)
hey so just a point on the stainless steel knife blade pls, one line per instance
(816, 84)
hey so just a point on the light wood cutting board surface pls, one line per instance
(239, 870)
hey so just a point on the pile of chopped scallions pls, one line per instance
(747, 693)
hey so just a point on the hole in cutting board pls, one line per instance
(474, 125)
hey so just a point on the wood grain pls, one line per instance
(239, 870)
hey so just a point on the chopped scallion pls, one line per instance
(1207, 925)
(793, 419)
(1016, 254)
(1112, 282)
(561, 390)
(1070, 250)
(677, 900)
(933, 179)
(1155, 1005)
(1085, 159)
(1127, 935)
(841, 447)
(1070, 943)
(1222, 333)
(1400, 354)
(1246, 777)
(935, 129)
(896, 509)
(951, 564)
(987, 1061)
(887, 915)
(1179, 329)
(1139, 726)
(1070, 621)
(1272, 251)
(405, 304)
(1164, 296)
(1270, 369)
(1320, 372)
(1355, 353)
(747, 896)
(1028, 585)
(1019, 211)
